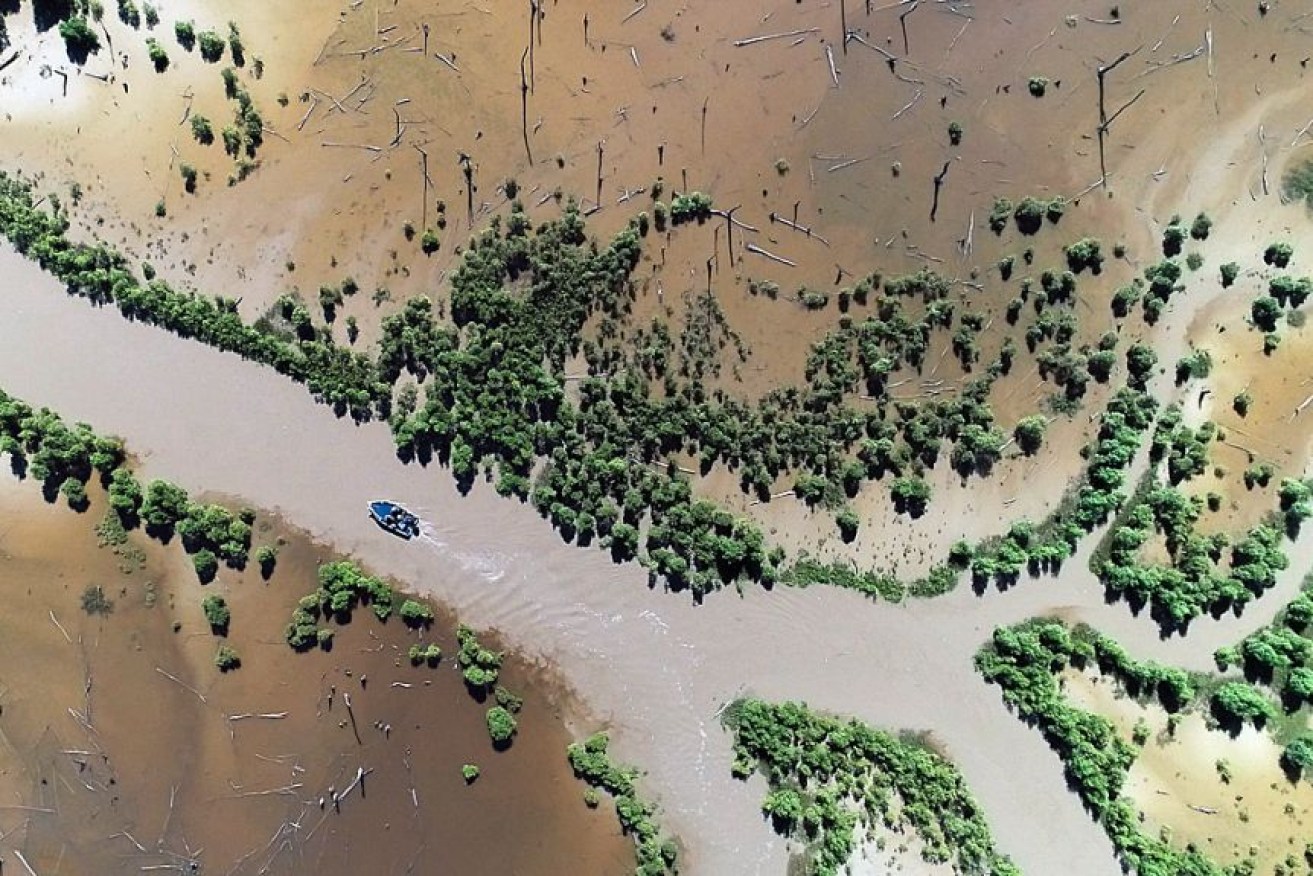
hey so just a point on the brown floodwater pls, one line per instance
(342, 173)
(657, 669)
(109, 764)
(1177, 782)
(654, 668)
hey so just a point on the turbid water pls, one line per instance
(654, 666)
(124, 747)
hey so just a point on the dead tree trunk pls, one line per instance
(424, 168)
(902, 22)
(524, 100)
(705, 100)
(467, 168)
(939, 183)
(533, 16)
(1104, 121)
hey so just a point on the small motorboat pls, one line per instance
(394, 518)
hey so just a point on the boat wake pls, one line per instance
(488, 567)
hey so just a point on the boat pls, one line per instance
(394, 518)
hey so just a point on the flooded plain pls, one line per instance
(836, 135)
(125, 748)
(653, 667)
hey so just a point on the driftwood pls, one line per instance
(751, 41)
(18, 854)
(911, 103)
(365, 146)
(56, 622)
(753, 248)
(849, 163)
(803, 229)
(305, 118)
(735, 220)
(200, 696)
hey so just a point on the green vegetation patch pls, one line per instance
(1026, 660)
(830, 777)
(591, 762)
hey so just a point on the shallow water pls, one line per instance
(158, 773)
(655, 667)
(652, 665)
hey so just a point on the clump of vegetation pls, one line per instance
(1030, 214)
(428, 242)
(480, 666)
(235, 45)
(343, 585)
(430, 654)
(470, 773)
(1173, 239)
(129, 14)
(159, 58)
(416, 614)
(591, 762)
(217, 613)
(955, 133)
(1201, 227)
(1037, 86)
(1229, 272)
(267, 558)
(211, 46)
(201, 129)
(999, 215)
(1278, 254)
(502, 726)
(206, 565)
(1297, 184)
(79, 39)
(1085, 253)
(1197, 365)
(185, 33)
(1029, 433)
(1025, 661)
(690, 207)
(227, 659)
(189, 177)
(95, 602)
(829, 778)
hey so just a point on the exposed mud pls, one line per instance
(110, 763)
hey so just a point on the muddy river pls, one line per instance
(655, 667)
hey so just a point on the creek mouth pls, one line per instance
(126, 748)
